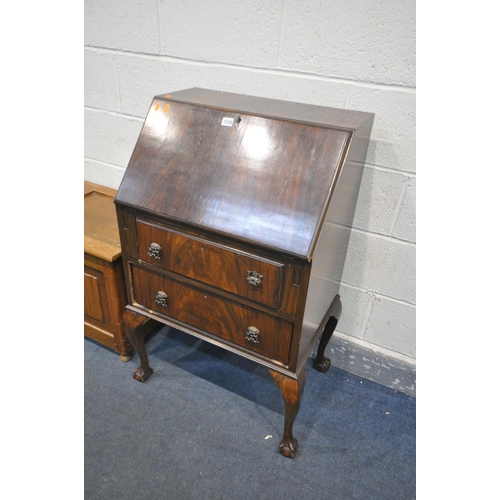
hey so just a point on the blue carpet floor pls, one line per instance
(207, 425)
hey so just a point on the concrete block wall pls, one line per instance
(353, 54)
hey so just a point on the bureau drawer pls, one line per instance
(241, 325)
(236, 272)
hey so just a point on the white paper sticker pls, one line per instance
(227, 122)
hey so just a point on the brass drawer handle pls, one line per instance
(154, 251)
(161, 299)
(254, 278)
(252, 335)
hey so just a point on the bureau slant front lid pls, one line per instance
(221, 162)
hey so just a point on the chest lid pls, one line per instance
(259, 170)
(101, 234)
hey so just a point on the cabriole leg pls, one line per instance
(322, 363)
(292, 390)
(132, 325)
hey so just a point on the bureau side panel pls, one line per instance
(330, 252)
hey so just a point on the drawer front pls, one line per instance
(238, 324)
(236, 272)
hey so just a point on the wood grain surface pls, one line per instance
(259, 180)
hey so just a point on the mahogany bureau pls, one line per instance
(234, 215)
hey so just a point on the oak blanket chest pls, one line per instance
(234, 215)
(104, 285)
(103, 281)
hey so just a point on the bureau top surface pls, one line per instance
(239, 165)
(101, 233)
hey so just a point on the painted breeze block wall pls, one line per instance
(350, 54)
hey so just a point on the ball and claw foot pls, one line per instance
(288, 448)
(141, 374)
(322, 365)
